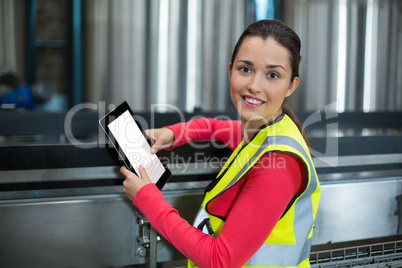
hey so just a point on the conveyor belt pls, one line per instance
(66, 201)
(82, 192)
(42, 183)
(383, 254)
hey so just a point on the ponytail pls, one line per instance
(286, 110)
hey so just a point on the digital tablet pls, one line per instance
(132, 144)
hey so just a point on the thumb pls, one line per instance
(156, 146)
(156, 142)
(162, 137)
(144, 175)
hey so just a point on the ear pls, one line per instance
(230, 69)
(293, 86)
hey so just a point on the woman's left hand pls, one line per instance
(133, 183)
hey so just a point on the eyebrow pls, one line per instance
(269, 66)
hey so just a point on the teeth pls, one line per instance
(253, 101)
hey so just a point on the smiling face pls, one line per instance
(260, 79)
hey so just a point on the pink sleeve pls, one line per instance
(245, 229)
(228, 131)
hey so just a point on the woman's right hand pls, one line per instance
(162, 137)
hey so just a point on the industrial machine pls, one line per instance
(14, 95)
(62, 202)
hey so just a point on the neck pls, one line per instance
(250, 128)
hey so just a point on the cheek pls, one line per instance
(233, 88)
(279, 92)
(233, 95)
(236, 83)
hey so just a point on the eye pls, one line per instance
(273, 75)
(245, 70)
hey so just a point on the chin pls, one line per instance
(251, 118)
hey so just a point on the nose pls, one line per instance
(254, 85)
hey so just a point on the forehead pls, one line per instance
(268, 50)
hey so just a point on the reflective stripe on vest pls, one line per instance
(299, 217)
(295, 254)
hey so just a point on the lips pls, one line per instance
(252, 101)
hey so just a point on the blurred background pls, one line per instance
(177, 51)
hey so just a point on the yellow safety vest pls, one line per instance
(288, 245)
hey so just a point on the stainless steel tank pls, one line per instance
(352, 53)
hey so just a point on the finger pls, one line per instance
(156, 146)
(125, 171)
(150, 133)
(154, 149)
(160, 143)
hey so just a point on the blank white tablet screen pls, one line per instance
(135, 146)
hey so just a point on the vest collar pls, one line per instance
(265, 126)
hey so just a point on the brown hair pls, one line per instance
(285, 36)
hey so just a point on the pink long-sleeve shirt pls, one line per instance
(251, 208)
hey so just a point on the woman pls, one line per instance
(259, 211)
